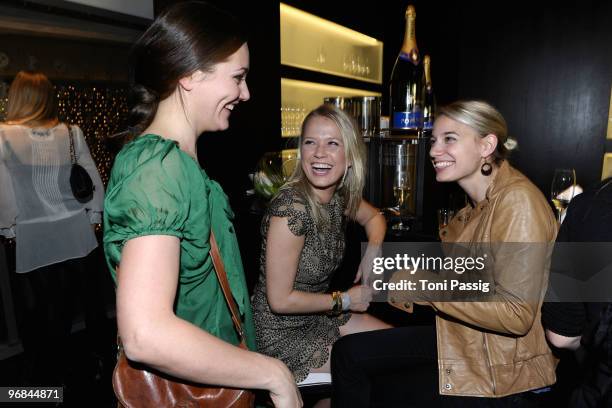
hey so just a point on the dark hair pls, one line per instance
(186, 37)
(31, 98)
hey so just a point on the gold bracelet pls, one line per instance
(333, 306)
(337, 302)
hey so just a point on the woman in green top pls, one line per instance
(189, 71)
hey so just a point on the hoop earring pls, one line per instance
(486, 169)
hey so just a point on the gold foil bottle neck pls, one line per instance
(426, 64)
(410, 11)
(409, 46)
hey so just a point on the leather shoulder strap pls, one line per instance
(222, 276)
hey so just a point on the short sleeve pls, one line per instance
(289, 204)
(148, 194)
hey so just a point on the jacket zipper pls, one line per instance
(486, 350)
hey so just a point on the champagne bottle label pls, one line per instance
(408, 120)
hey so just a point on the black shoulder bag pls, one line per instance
(80, 182)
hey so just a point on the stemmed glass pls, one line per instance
(562, 190)
(401, 192)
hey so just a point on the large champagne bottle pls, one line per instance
(429, 100)
(406, 88)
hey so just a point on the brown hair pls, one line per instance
(186, 37)
(31, 99)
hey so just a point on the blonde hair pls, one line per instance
(351, 186)
(31, 99)
(484, 119)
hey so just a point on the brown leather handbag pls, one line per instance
(139, 386)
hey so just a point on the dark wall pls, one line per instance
(549, 71)
(63, 59)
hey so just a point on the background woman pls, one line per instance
(494, 350)
(303, 244)
(53, 231)
(585, 378)
(190, 69)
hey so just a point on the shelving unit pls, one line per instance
(312, 43)
(327, 56)
(300, 97)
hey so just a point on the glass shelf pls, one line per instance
(607, 166)
(300, 97)
(312, 43)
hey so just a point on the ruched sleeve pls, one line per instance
(148, 194)
(289, 204)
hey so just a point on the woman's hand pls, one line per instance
(284, 392)
(364, 272)
(361, 296)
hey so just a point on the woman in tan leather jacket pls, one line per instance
(493, 349)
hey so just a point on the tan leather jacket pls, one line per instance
(497, 348)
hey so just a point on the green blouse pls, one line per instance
(157, 189)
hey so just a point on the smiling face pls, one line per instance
(456, 151)
(323, 158)
(217, 93)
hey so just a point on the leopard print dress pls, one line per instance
(302, 341)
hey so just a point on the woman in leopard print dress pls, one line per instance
(303, 244)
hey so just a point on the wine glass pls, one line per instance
(562, 190)
(401, 193)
